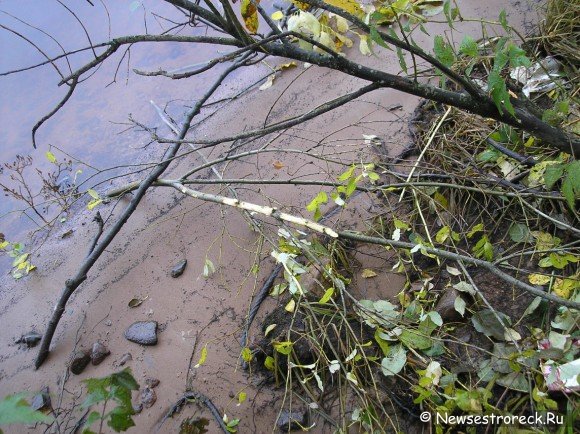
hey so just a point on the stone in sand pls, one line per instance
(142, 332)
(179, 268)
(148, 397)
(99, 352)
(80, 361)
(292, 420)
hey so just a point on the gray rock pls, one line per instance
(142, 332)
(151, 382)
(41, 401)
(147, 397)
(80, 361)
(99, 352)
(127, 357)
(30, 339)
(292, 420)
(178, 269)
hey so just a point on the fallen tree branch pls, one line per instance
(355, 236)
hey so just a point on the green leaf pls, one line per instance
(269, 363)
(15, 409)
(460, 305)
(486, 322)
(498, 91)
(327, 295)
(125, 379)
(443, 51)
(121, 420)
(519, 233)
(375, 37)
(469, 47)
(91, 419)
(400, 55)
(283, 347)
(395, 361)
(416, 340)
(571, 184)
(450, 13)
(93, 194)
(503, 20)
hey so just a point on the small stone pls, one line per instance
(41, 401)
(178, 269)
(127, 357)
(142, 332)
(108, 323)
(30, 339)
(446, 306)
(80, 361)
(100, 351)
(137, 408)
(151, 382)
(292, 420)
(147, 397)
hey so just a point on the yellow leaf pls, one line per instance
(277, 165)
(278, 15)
(242, 397)
(364, 46)
(564, 287)
(539, 279)
(202, 357)
(290, 306)
(250, 15)
(350, 6)
(286, 65)
(367, 274)
(50, 157)
(300, 5)
(93, 203)
(247, 355)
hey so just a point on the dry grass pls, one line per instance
(560, 30)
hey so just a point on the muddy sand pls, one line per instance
(193, 311)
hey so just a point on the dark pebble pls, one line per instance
(80, 361)
(100, 351)
(292, 420)
(30, 339)
(152, 382)
(147, 397)
(179, 268)
(142, 332)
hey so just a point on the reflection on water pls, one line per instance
(91, 127)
